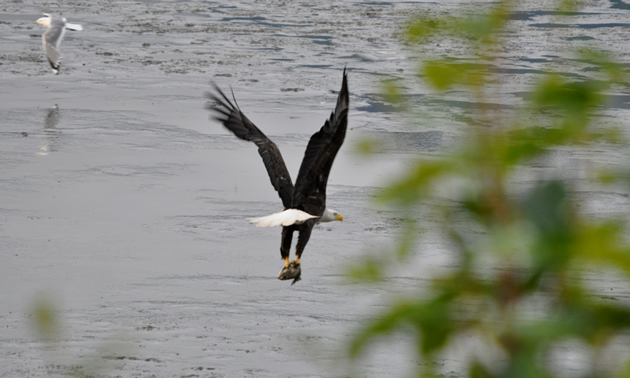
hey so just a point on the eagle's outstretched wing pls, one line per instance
(234, 120)
(310, 187)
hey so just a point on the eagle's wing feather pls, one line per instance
(234, 120)
(310, 187)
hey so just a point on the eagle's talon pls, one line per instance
(292, 272)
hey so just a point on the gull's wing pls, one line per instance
(52, 54)
(75, 27)
(51, 40)
(310, 186)
(54, 34)
(235, 121)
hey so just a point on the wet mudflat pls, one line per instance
(126, 206)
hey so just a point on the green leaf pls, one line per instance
(368, 269)
(443, 74)
(430, 319)
(422, 28)
(416, 183)
(603, 244)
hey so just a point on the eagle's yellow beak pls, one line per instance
(339, 217)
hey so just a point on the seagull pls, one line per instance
(52, 37)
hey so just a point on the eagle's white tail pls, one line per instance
(76, 27)
(285, 218)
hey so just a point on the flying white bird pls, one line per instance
(52, 37)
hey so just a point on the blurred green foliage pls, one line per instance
(533, 245)
(44, 318)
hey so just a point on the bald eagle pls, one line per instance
(305, 202)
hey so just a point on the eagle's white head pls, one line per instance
(330, 215)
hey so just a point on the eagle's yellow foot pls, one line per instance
(292, 271)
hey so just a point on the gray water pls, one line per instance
(126, 206)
